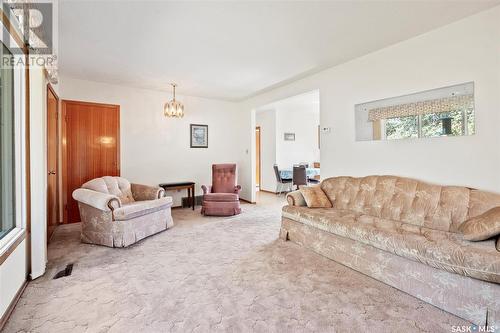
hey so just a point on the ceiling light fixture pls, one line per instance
(173, 108)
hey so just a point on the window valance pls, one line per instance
(439, 105)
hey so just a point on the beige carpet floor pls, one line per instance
(213, 274)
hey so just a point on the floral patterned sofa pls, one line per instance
(116, 213)
(405, 233)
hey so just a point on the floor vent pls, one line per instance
(65, 272)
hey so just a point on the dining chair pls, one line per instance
(299, 176)
(281, 184)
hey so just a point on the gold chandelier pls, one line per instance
(173, 108)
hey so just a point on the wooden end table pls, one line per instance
(182, 186)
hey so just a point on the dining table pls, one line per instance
(310, 173)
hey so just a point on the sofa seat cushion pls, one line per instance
(440, 249)
(221, 197)
(140, 208)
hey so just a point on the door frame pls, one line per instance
(259, 158)
(64, 137)
(50, 90)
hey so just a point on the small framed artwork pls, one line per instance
(289, 136)
(199, 136)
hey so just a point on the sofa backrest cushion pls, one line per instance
(408, 200)
(223, 178)
(112, 185)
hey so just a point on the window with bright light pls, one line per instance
(7, 147)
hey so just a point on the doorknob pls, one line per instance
(52, 172)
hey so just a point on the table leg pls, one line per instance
(194, 198)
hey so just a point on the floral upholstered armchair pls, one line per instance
(223, 197)
(116, 213)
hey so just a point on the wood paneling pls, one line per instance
(91, 140)
(52, 161)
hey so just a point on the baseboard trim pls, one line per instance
(268, 191)
(36, 274)
(12, 305)
(244, 200)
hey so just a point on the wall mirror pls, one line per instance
(447, 111)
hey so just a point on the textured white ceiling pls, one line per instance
(232, 50)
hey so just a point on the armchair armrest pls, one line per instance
(296, 198)
(206, 189)
(101, 201)
(146, 192)
(237, 189)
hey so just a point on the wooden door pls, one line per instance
(91, 147)
(257, 155)
(52, 161)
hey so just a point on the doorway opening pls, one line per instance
(287, 136)
(53, 192)
(257, 158)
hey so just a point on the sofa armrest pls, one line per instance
(101, 201)
(145, 192)
(296, 198)
(206, 189)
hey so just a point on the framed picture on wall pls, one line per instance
(199, 136)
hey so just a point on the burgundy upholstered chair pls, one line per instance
(223, 197)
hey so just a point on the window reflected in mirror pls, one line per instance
(439, 112)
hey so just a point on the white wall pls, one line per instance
(467, 50)
(12, 276)
(155, 149)
(38, 171)
(303, 120)
(267, 121)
